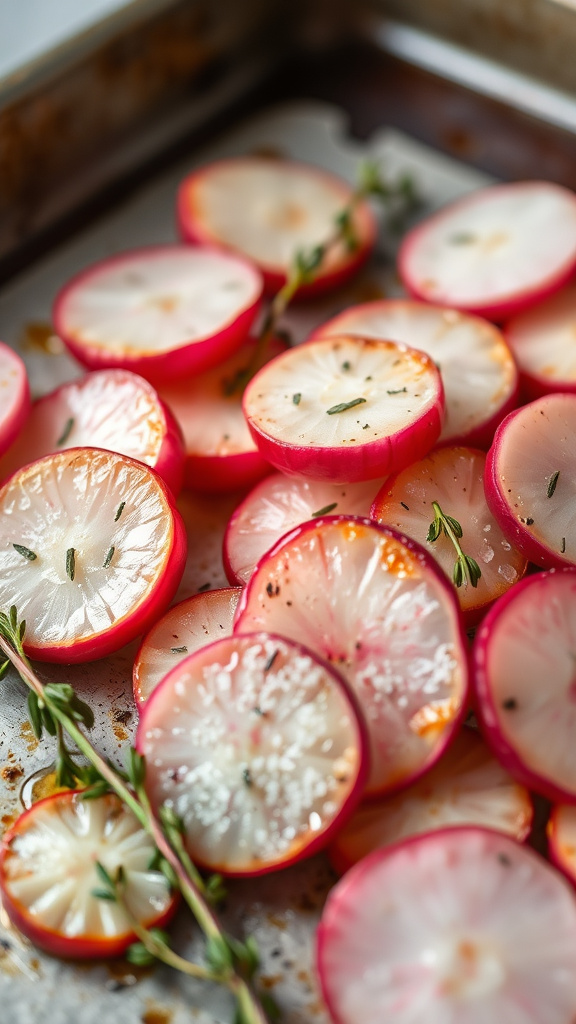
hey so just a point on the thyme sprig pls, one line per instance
(56, 709)
(398, 198)
(466, 568)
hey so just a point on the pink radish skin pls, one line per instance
(220, 453)
(530, 447)
(103, 313)
(111, 409)
(259, 747)
(129, 550)
(523, 670)
(15, 396)
(461, 925)
(379, 608)
(454, 478)
(397, 419)
(495, 252)
(542, 341)
(467, 786)
(268, 210)
(477, 369)
(561, 833)
(277, 505)
(185, 628)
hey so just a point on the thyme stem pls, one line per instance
(465, 567)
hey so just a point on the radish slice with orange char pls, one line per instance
(14, 396)
(275, 506)
(561, 832)
(467, 786)
(542, 341)
(345, 409)
(462, 925)
(477, 368)
(530, 480)
(525, 681)
(161, 311)
(268, 210)
(495, 252)
(112, 409)
(185, 628)
(257, 745)
(375, 605)
(48, 876)
(453, 477)
(92, 550)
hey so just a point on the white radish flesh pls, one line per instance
(14, 396)
(542, 342)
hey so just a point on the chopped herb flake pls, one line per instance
(404, 505)
(296, 398)
(510, 704)
(66, 432)
(203, 588)
(271, 660)
(398, 391)
(247, 777)
(343, 406)
(462, 238)
(71, 563)
(25, 552)
(346, 365)
(119, 511)
(109, 557)
(562, 546)
(324, 511)
(179, 650)
(552, 483)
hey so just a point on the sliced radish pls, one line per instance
(48, 875)
(462, 926)
(112, 409)
(377, 606)
(525, 679)
(453, 477)
(345, 409)
(278, 504)
(185, 628)
(467, 786)
(220, 453)
(269, 210)
(91, 552)
(256, 744)
(530, 479)
(163, 311)
(542, 340)
(561, 832)
(14, 396)
(495, 252)
(478, 372)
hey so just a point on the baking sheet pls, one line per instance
(280, 910)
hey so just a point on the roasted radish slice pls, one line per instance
(478, 372)
(163, 311)
(49, 876)
(15, 396)
(269, 210)
(220, 453)
(542, 341)
(467, 786)
(112, 409)
(561, 832)
(185, 628)
(494, 252)
(278, 504)
(451, 479)
(91, 552)
(256, 744)
(463, 925)
(530, 479)
(377, 606)
(345, 409)
(525, 679)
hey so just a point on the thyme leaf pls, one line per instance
(343, 406)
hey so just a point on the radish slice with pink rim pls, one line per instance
(14, 396)
(524, 656)
(467, 786)
(48, 876)
(92, 550)
(494, 252)
(277, 505)
(345, 409)
(112, 409)
(220, 453)
(561, 832)
(461, 925)
(377, 606)
(257, 745)
(476, 366)
(530, 479)
(542, 342)
(268, 210)
(454, 478)
(185, 628)
(162, 312)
